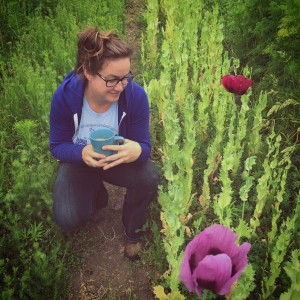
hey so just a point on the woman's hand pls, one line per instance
(126, 153)
(92, 158)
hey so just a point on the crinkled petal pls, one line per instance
(214, 240)
(239, 263)
(242, 84)
(212, 273)
(195, 251)
(221, 240)
(228, 83)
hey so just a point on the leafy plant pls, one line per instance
(239, 166)
(292, 268)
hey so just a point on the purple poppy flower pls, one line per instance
(236, 84)
(213, 261)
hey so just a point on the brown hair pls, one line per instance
(95, 48)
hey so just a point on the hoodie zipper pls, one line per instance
(75, 119)
(123, 116)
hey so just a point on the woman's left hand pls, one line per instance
(126, 153)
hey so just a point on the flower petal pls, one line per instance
(221, 240)
(212, 273)
(195, 251)
(242, 84)
(239, 262)
(228, 84)
(213, 241)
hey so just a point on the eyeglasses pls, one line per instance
(115, 81)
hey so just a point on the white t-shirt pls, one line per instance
(91, 121)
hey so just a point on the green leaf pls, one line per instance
(159, 293)
(244, 190)
(243, 230)
(245, 284)
(290, 295)
(250, 162)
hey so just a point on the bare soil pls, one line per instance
(104, 272)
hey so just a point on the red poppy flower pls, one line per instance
(236, 84)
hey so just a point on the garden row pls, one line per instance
(222, 160)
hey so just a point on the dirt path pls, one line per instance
(134, 11)
(105, 273)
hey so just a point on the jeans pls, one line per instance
(79, 192)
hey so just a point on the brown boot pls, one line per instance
(132, 249)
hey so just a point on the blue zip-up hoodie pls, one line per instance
(65, 115)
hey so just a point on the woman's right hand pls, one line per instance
(92, 158)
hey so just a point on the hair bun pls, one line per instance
(94, 47)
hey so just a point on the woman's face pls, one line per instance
(98, 88)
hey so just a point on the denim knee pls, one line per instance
(147, 177)
(67, 219)
(152, 177)
(72, 197)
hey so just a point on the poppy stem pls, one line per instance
(238, 100)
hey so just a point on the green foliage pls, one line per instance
(32, 87)
(14, 18)
(27, 245)
(279, 251)
(239, 164)
(149, 46)
(51, 41)
(292, 268)
(266, 37)
(255, 141)
(178, 139)
(263, 188)
(105, 14)
(39, 39)
(245, 284)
